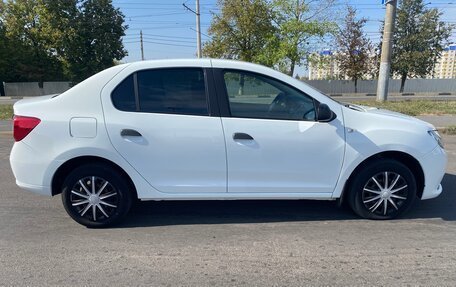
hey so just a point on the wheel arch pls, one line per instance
(405, 158)
(63, 171)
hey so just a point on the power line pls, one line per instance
(162, 36)
(168, 44)
(201, 33)
(167, 40)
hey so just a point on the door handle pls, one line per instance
(130, 133)
(242, 136)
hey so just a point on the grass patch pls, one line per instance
(415, 108)
(6, 112)
(451, 130)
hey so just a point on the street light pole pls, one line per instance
(387, 47)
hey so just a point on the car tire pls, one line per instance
(383, 189)
(96, 205)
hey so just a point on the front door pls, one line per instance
(274, 143)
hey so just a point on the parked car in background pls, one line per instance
(217, 129)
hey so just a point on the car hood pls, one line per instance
(390, 114)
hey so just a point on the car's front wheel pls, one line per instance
(383, 189)
(95, 195)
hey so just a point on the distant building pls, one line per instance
(445, 68)
(324, 66)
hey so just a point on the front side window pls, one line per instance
(175, 91)
(255, 96)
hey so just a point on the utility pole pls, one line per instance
(198, 29)
(387, 47)
(142, 48)
(198, 26)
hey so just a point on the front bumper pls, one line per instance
(434, 167)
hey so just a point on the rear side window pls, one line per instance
(173, 91)
(123, 96)
(169, 91)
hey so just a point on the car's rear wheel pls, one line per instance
(383, 189)
(96, 195)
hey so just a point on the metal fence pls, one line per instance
(370, 86)
(33, 89)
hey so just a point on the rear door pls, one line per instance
(161, 122)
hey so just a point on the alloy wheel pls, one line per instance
(385, 193)
(94, 198)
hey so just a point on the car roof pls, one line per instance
(204, 62)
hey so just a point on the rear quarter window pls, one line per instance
(123, 96)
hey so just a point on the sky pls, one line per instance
(169, 28)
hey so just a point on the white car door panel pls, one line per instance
(163, 129)
(273, 141)
(284, 156)
(175, 153)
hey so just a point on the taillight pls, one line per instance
(22, 126)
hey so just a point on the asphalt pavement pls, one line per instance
(5, 126)
(7, 101)
(363, 97)
(226, 243)
(440, 121)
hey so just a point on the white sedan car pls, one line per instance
(217, 129)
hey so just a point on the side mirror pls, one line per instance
(324, 114)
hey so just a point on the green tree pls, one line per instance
(355, 48)
(4, 49)
(60, 39)
(97, 41)
(60, 17)
(12, 56)
(419, 38)
(24, 26)
(241, 31)
(297, 22)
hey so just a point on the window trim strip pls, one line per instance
(136, 90)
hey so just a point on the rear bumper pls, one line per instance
(434, 167)
(43, 190)
(32, 169)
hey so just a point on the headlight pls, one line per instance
(436, 136)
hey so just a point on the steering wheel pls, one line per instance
(309, 112)
(279, 102)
